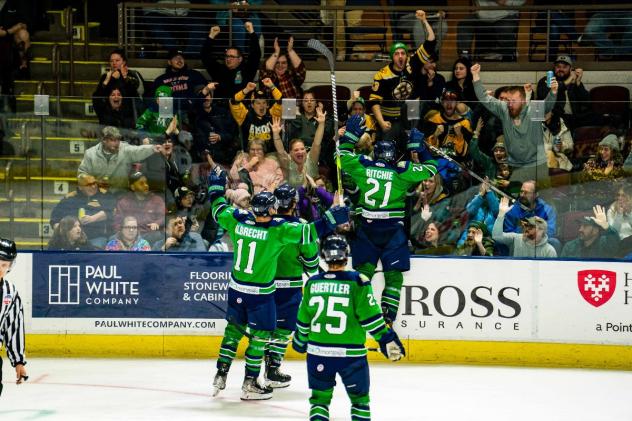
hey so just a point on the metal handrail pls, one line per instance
(86, 31)
(25, 144)
(9, 194)
(71, 52)
(56, 70)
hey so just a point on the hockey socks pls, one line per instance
(391, 294)
(255, 351)
(367, 269)
(360, 410)
(228, 348)
(276, 350)
(320, 400)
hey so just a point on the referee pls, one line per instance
(11, 314)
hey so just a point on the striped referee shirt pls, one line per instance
(11, 322)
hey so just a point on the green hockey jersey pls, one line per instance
(337, 310)
(382, 187)
(257, 246)
(295, 259)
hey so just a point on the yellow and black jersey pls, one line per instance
(391, 88)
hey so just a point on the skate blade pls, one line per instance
(277, 385)
(249, 396)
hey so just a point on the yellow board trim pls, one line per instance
(531, 354)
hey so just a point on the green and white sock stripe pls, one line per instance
(360, 412)
(319, 413)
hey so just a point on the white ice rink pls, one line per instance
(96, 389)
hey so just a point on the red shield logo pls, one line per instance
(596, 286)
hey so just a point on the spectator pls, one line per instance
(530, 204)
(128, 238)
(335, 18)
(482, 208)
(429, 84)
(93, 208)
(447, 129)
(533, 242)
(14, 26)
(287, 71)
(178, 240)
(496, 31)
(215, 130)
(239, 197)
(555, 23)
(620, 213)
(254, 122)
(115, 110)
(394, 83)
(314, 199)
(523, 136)
(435, 204)
(431, 245)
(488, 165)
(461, 82)
(304, 125)
(595, 239)
(356, 106)
(69, 236)
(477, 241)
(150, 121)
(182, 80)
(113, 159)
(185, 206)
(558, 142)
(241, 17)
(610, 31)
(167, 26)
(167, 170)
(403, 22)
(573, 99)
(235, 73)
(299, 162)
(128, 82)
(607, 165)
(255, 169)
(148, 208)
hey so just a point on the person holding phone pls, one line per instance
(573, 99)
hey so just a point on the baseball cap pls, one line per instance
(135, 176)
(174, 52)
(564, 59)
(536, 221)
(182, 191)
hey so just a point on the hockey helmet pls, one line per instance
(385, 150)
(262, 202)
(8, 251)
(285, 195)
(335, 249)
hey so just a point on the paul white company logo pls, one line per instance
(63, 284)
(596, 286)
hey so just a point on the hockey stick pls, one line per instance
(476, 176)
(321, 48)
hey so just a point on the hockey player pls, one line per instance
(337, 310)
(296, 259)
(383, 184)
(11, 315)
(258, 242)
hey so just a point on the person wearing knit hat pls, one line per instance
(477, 241)
(607, 165)
(239, 198)
(395, 83)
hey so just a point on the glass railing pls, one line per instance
(68, 184)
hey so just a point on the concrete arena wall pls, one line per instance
(453, 311)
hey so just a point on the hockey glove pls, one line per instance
(354, 129)
(216, 185)
(391, 346)
(416, 143)
(299, 346)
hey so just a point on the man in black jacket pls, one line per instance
(573, 99)
(234, 72)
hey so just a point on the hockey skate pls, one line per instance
(275, 378)
(251, 390)
(219, 382)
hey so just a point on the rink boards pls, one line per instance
(453, 310)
